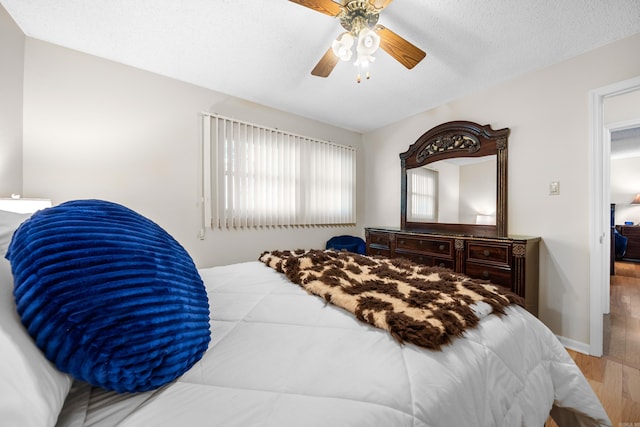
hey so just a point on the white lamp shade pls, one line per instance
(20, 205)
(486, 219)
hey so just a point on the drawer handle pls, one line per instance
(486, 252)
(441, 247)
(402, 242)
(485, 274)
(441, 265)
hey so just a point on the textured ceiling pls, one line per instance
(263, 51)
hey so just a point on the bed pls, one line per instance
(279, 356)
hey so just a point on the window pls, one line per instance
(422, 195)
(257, 176)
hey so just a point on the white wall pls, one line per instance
(625, 184)
(547, 112)
(98, 129)
(11, 75)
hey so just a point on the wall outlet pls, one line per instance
(554, 188)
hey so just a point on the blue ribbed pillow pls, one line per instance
(108, 295)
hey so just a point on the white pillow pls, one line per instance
(9, 222)
(32, 389)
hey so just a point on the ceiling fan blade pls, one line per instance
(380, 4)
(326, 64)
(328, 7)
(403, 51)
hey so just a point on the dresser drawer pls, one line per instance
(379, 239)
(497, 276)
(493, 253)
(630, 231)
(428, 260)
(442, 248)
(371, 251)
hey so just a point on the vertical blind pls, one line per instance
(256, 176)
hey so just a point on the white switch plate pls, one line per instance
(554, 188)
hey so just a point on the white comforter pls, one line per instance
(280, 357)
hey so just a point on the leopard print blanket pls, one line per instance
(426, 306)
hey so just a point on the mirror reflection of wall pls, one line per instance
(463, 192)
(478, 191)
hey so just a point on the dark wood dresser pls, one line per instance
(632, 233)
(511, 262)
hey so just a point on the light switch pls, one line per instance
(554, 188)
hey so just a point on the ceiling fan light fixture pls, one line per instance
(368, 43)
(360, 19)
(368, 40)
(342, 46)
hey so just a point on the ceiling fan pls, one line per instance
(360, 20)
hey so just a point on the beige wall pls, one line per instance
(98, 129)
(548, 114)
(622, 108)
(625, 184)
(11, 75)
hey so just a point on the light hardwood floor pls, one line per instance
(615, 377)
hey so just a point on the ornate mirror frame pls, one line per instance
(458, 139)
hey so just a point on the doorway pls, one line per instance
(600, 208)
(621, 326)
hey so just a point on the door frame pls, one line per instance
(599, 218)
(609, 129)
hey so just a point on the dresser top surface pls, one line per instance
(511, 237)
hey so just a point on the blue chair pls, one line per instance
(348, 243)
(620, 243)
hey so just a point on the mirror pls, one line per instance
(454, 180)
(463, 191)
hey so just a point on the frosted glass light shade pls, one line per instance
(342, 47)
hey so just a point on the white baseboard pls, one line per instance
(574, 345)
